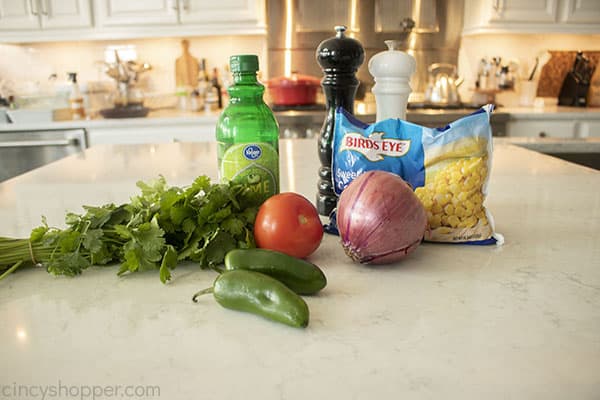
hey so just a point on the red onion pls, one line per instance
(379, 218)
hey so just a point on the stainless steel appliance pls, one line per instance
(442, 89)
(429, 29)
(307, 124)
(22, 151)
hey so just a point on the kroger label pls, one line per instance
(252, 152)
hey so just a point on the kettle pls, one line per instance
(442, 89)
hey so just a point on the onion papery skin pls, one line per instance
(380, 219)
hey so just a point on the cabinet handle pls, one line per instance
(45, 7)
(542, 134)
(498, 6)
(186, 5)
(33, 7)
(41, 143)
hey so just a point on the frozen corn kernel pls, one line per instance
(455, 189)
(470, 221)
(435, 221)
(453, 220)
(441, 199)
(453, 197)
(469, 206)
(456, 176)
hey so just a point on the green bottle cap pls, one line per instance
(244, 63)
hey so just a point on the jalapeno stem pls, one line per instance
(201, 293)
(217, 269)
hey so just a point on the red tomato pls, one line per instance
(289, 223)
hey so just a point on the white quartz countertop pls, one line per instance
(552, 112)
(166, 117)
(520, 321)
(171, 117)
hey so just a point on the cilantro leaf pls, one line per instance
(38, 233)
(169, 261)
(153, 231)
(92, 240)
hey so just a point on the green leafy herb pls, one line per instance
(154, 231)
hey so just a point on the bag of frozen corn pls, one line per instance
(448, 168)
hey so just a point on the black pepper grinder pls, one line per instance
(339, 58)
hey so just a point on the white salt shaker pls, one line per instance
(392, 70)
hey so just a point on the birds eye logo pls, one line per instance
(252, 152)
(375, 147)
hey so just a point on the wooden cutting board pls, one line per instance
(186, 67)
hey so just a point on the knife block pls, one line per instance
(573, 92)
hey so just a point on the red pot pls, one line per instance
(295, 90)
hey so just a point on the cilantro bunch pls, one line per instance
(154, 231)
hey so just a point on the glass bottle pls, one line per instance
(247, 133)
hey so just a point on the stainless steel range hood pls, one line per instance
(296, 27)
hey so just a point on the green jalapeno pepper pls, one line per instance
(297, 274)
(258, 294)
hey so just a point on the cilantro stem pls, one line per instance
(11, 269)
(155, 230)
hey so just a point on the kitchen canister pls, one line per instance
(392, 70)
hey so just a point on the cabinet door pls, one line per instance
(19, 15)
(524, 11)
(587, 128)
(581, 11)
(541, 128)
(193, 11)
(65, 14)
(137, 12)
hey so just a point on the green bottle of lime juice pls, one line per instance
(247, 132)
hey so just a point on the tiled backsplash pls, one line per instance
(555, 70)
(523, 48)
(27, 67)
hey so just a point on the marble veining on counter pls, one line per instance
(520, 321)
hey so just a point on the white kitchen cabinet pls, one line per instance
(17, 15)
(196, 132)
(587, 128)
(524, 11)
(137, 12)
(569, 127)
(155, 18)
(531, 16)
(581, 11)
(540, 128)
(57, 14)
(23, 21)
(28, 20)
(203, 11)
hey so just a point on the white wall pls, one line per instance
(28, 66)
